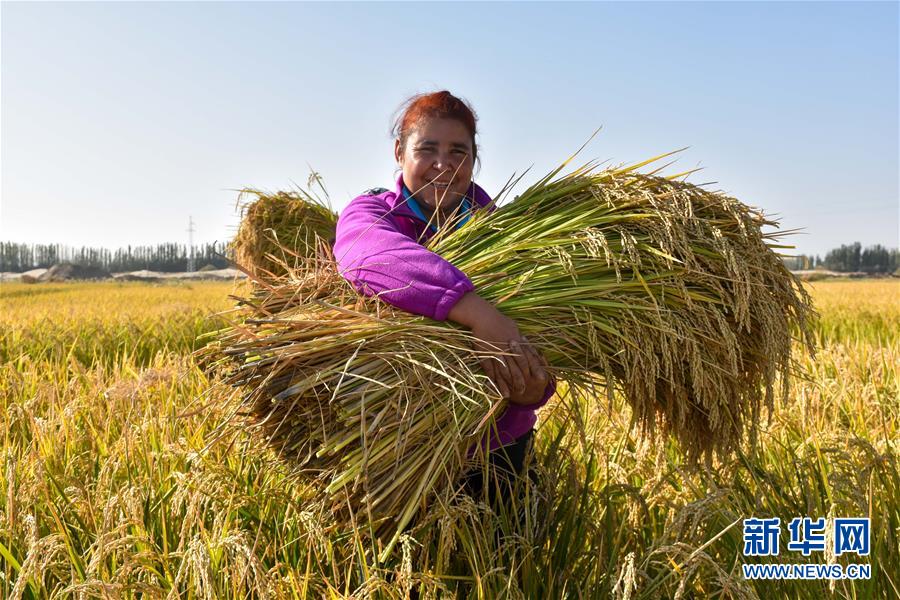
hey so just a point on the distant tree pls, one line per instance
(801, 262)
(876, 259)
(852, 257)
(844, 259)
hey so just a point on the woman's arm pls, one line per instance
(379, 259)
(520, 377)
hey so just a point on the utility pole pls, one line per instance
(190, 230)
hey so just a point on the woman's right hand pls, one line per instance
(520, 375)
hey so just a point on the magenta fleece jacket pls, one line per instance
(378, 250)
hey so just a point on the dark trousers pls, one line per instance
(504, 466)
(499, 476)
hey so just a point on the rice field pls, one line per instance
(116, 484)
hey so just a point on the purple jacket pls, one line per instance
(377, 250)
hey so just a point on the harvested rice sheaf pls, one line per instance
(278, 229)
(661, 289)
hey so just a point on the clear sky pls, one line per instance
(120, 120)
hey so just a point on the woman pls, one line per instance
(379, 249)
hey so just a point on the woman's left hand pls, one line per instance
(532, 364)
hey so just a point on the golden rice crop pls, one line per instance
(99, 321)
(279, 229)
(111, 483)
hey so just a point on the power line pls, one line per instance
(190, 230)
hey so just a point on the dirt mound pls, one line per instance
(26, 277)
(67, 271)
(213, 275)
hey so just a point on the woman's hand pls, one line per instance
(536, 378)
(519, 376)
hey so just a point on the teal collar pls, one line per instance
(414, 206)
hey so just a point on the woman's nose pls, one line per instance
(444, 161)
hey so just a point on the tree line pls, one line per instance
(169, 257)
(850, 258)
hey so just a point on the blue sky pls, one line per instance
(120, 120)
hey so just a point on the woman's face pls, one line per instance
(437, 162)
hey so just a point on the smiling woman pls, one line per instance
(381, 248)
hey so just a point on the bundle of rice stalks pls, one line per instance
(279, 229)
(667, 291)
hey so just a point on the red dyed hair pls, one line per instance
(440, 105)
